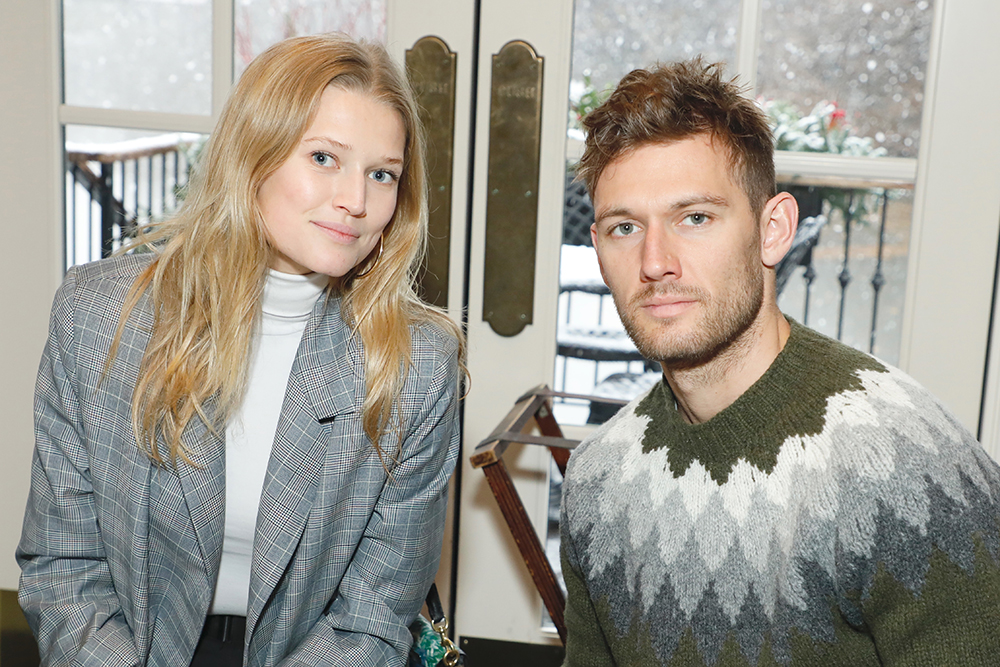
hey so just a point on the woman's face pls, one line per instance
(327, 204)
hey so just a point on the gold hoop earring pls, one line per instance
(381, 246)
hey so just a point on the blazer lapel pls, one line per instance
(326, 381)
(203, 482)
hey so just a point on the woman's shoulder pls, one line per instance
(119, 270)
(89, 292)
(434, 336)
(434, 351)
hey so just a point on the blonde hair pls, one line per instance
(206, 281)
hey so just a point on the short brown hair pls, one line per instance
(673, 102)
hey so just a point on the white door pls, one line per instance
(495, 597)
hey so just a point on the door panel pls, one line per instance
(452, 22)
(496, 598)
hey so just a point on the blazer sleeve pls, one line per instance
(396, 560)
(66, 590)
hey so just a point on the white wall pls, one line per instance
(30, 243)
(961, 188)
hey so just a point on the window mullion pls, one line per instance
(845, 169)
(746, 54)
(222, 54)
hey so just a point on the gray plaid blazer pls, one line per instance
(119, 557)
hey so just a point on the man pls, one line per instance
(779, 498)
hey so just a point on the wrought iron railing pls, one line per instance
(852, 284)
(111, 189)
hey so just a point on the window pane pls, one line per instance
(148, 55)
(868, 58)
(261, 23)
(117, 180)
(611, 38)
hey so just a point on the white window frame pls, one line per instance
(222, 79)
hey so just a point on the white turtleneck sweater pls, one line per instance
(287, 303)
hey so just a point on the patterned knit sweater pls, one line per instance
(834, 514)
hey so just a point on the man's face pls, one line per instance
(680, 250)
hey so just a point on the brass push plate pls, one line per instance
(430, 66)
(512, 188)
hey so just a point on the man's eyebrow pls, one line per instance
(680, 204)
(697, 200)
(617, 212)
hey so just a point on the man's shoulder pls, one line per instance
(825, 359)
(887, 425)
(837, 371)
(612, 440)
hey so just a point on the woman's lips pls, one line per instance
(338, 231)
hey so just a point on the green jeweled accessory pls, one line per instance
(431, 645)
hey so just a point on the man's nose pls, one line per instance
(659, 259)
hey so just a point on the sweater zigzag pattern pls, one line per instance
(836, 513)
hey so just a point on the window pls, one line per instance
(843, 85)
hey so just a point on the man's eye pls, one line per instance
(696, 219)
(623, 229)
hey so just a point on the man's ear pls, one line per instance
(593, 242)
(779, 221)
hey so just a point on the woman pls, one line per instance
(253, 425)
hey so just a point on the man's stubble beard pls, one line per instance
(722, 324)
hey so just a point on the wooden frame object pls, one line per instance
(533, 408)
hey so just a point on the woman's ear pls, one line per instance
(779, 221)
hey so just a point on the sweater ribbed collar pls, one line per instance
(788, 399)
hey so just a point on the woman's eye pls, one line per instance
(322, 159)
(383, 176)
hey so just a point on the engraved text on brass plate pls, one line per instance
(430, 66)
(512, 188)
